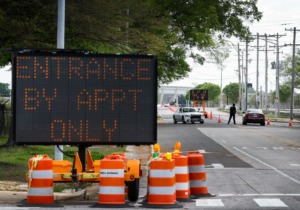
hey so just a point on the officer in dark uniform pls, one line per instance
(232, 111)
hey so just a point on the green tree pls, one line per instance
(4, 90)
(284, 93)
(170, 29)
(287, 71)
(231, 92)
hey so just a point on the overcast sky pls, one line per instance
(277, 15)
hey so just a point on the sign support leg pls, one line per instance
(82, 155)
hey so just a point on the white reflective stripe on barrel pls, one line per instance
(41, 174)
(181, 170)
(112, 173)
(161, 190)
(40, 191)
(161, 173)
(193, 169)
(182, 185)
(111, 190)
(197, 183)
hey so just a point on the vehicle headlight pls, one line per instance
(187, 115)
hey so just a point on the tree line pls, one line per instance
(171, 29)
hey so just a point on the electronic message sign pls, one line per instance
(198, 95)
(84, 99)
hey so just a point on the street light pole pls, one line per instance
(58, 155)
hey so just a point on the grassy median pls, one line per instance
(14, 159)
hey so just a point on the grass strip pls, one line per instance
(14, 159)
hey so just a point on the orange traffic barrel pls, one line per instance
(111, 180)
(181, 176)
(40, 180)
(161, 182)
(197, 174)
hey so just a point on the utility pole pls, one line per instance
(221, 98)
(242, 76)
(266, 73)
(293, 72)
(239, 69)
(293, 75)
(257, 74)
(277, 99)
(277, 77)
(246, 77)
(264, 98)
(259, 102)
(261, 98)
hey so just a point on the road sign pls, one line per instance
(198, 94)
(84, 99)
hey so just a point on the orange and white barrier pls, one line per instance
(171, 108)
(161, 182)
(111, 180)
(197, 174)
(182, 176)
(40, 183)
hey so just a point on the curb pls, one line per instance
(12, 197)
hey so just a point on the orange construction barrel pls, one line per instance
(182, 176)
(197, 174)
(112, 181)
(161, 182)
(40, 180)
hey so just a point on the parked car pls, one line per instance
(187, 114)
(254, 116)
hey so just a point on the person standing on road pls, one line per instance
(232, 111)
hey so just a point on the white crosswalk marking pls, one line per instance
(270, 202)
(261, 202)
(294, 164)
(217, 165)
(209, 202)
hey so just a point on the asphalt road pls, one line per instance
(191, 139)
(248, 167)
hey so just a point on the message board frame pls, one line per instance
(123, 120)
(198, 95)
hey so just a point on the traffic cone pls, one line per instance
(268, 122)
(210, 115)
(219, 120)
(291, 123)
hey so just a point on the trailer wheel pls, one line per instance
(133, 190)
